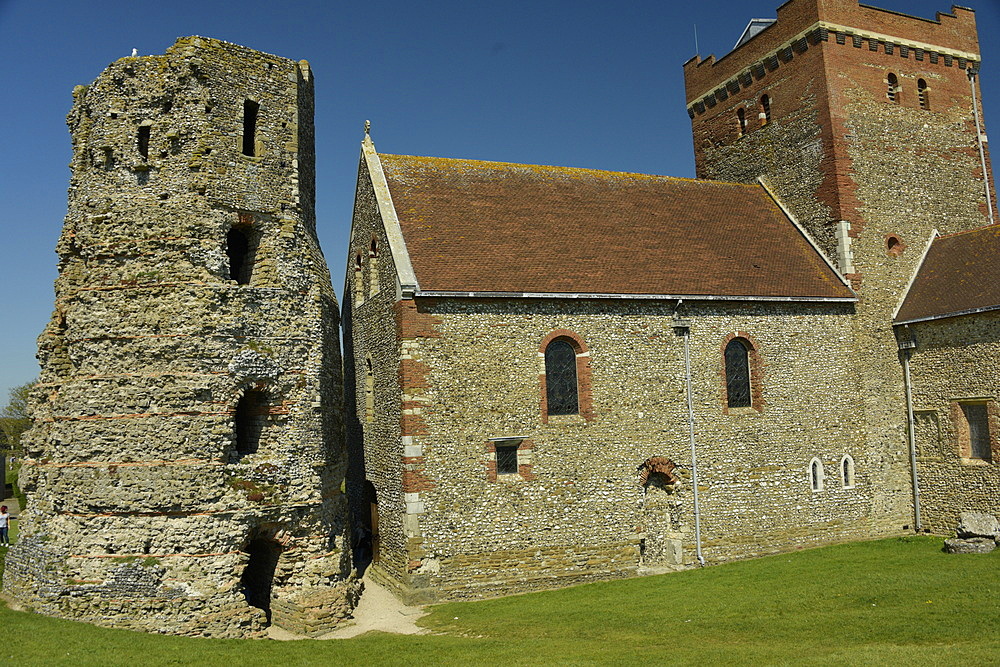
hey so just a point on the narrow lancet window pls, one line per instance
(737, 374)
(561, 390)
(373, 268)
(241, 249)
(741, 117)
(765, 109)
(816, 475)
(892, 90)
(922, 94)
(250, 110)
(847, 472)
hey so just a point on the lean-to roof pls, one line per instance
(960, 274)
(473, 226)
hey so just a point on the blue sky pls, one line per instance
(563, 82)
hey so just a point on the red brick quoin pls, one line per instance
(583, 380)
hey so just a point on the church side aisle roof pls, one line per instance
(959, 275)
(472, 226)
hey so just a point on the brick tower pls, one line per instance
(185, 470)
(866, 124)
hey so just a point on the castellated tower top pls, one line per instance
(185, 464)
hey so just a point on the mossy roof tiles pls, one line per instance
(960, 274)
(473, 226)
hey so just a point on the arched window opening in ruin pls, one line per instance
(359, 281)
(241, 248)
(369, 391)
(738, 373)
(373, 268)
(250, 112)
(816, 475)
(923, 95)
(658, 471)
(894, 245)
(143, 141)
(561, 390)
(251, 416)
(258, 576)
(847, 472)
(765, 109)
(892, 90)
(741, 116)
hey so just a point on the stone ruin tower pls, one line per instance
(185, 471)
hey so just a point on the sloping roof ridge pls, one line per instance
(994, 227)
(583, 170)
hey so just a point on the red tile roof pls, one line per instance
(960, 274)
(498, 227)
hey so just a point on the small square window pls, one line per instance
(506, 459)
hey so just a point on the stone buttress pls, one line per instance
(185, 471)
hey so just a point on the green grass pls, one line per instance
(899, 601)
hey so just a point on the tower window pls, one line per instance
(241, 248)
(741, 116)
(738, 373)
(506, 459)
(251, 414)
(369, 391)
(250, 111)
(765, 109)
(922, 94)
(892, 90)
(143, 141)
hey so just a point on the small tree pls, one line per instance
(14, 418)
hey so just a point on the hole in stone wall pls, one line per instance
(894, 245)
(765, 110)
(258, 576)
(241, 247)
(143, 141)
(250, 111)
(251, 415)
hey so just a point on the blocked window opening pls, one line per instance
(143, 141)
(741, 116)
(892, 90)
(359, 281)
(369, 391)
(922, 94)
(847, 472)
(561, 390)
(765, 109)
(373, 268)
(258, 576)
(506, 459)
(250, 112)
(978, 431)
(251, 416)
(816, 475)
(738, 373)
(241, 248)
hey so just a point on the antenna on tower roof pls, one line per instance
(696, 39)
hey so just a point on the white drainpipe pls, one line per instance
(685, 327)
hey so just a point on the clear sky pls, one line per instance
(577, 83)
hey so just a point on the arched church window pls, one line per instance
(561, 389)
(892, 88)
(922, 94)
(373, 268)
(847, 472)
(816, 475)
(359, 281)
(765, 109)
(369, 391)
(738, 373)
(741, 117)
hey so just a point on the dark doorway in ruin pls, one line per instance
(366, 544)
(251, 415)
(258, 577)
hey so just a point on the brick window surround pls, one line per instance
(524, 465)
(756, 373)
(963, 432)
(583, 377)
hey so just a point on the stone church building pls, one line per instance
(559, 375)
(552, 375)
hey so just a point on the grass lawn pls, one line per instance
(899, 601)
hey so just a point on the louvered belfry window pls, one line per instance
(737, 374)
(561, 391)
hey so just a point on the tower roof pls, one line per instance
(492, 227)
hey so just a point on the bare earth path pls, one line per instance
(377, 610)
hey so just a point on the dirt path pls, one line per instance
(377, 610)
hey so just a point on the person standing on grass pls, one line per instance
(5, 520)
